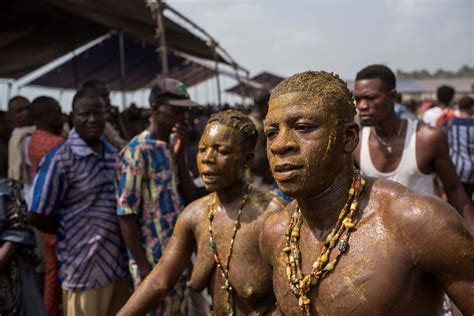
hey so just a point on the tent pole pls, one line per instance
(60, 95)
(163, 48)
(74, 70)
(218, 82)
(246, 96)
(9, 91)
(243, 93)
(122, 68)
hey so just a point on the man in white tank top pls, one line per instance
(405, 151)
(408, 152)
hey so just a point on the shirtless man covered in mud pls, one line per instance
(349, 245)
(227, 222)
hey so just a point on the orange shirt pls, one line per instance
(41, 143)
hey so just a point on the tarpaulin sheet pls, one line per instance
(35, 32)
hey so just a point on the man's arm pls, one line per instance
(167, 272)
(47, 224)
(131, 236)
(186, 184)
(445, 248)
(49, 188)
(446, 172)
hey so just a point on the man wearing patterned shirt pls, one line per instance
(154, 183)
(74, 196)
(47, 117)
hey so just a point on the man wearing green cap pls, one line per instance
(154, 185)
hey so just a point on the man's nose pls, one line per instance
(94, 117)
(283, 143)
(362, 105)
(208, 156)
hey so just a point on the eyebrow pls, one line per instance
(221, 144)
(267, 123)
(291, 116)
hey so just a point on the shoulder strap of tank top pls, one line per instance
(409, 148)
(365, 163)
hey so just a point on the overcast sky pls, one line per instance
(343, 36)
(339, 35)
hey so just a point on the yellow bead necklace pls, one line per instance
(300, 284)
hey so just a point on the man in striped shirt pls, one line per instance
(460, 131)
(74, 196)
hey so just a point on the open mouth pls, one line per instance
(209, 176)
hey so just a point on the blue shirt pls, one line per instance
(76, 185)
(460, 133)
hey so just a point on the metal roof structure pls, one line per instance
(128, 39)
(102, 61)
(264, 81)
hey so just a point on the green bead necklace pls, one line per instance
(229, 305)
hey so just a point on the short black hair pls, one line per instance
(41, 105)
(86, 93)
(445, 94)
(94, 84)
(16, 98)
(378, 72)
(466, 103)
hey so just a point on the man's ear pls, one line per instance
(154, 109)
(154, 113)
(393, 94)
(351, 137)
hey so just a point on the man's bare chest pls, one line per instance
(373, 276)
(248, 274)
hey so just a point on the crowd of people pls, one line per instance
(246, 211)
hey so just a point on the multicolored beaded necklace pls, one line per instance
(229, 305)
(299, 283)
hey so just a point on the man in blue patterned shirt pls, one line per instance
(74, 197)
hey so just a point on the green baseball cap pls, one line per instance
(172, 92)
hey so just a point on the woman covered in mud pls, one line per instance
(222, 228)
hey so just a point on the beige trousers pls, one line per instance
(103, 301)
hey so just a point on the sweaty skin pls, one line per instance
(221, 162)
(407, 248)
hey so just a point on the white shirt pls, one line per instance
(431, 115)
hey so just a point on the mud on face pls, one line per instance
(307, 116)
